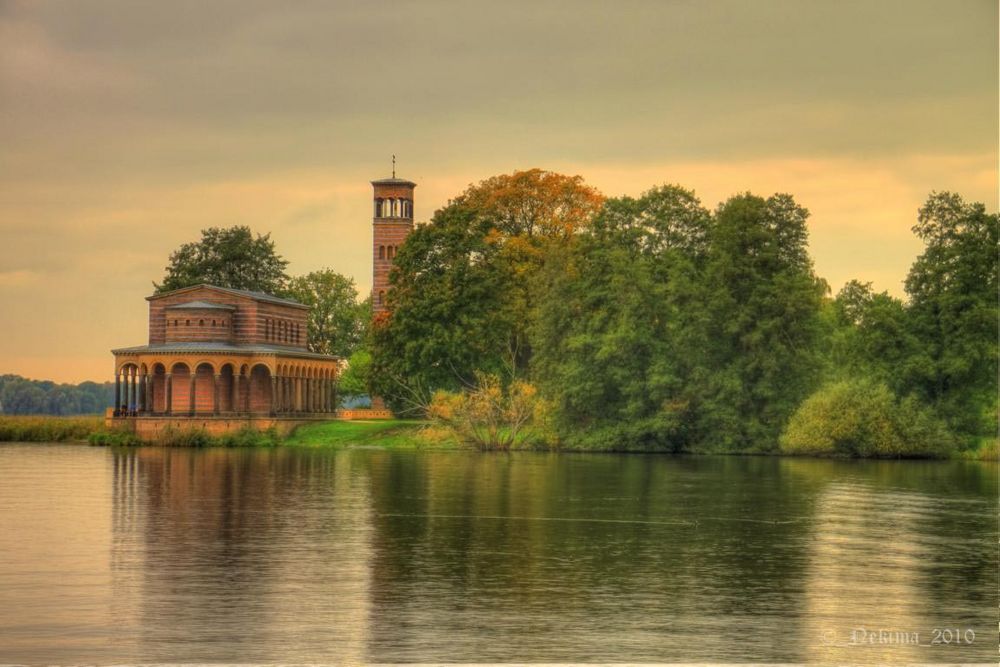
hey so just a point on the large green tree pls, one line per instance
(764, 323)
(870, 336)
(227, 257)
(953, 314)
(462, 286)
(448, 315)
(338, 323)
(617, 329)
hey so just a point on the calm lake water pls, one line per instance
(170, 555)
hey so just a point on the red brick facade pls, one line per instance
(218, 351)
(235, 318)
(392, 222)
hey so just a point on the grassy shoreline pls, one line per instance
(45, 428)
(393, 434)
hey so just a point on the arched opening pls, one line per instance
(381, 297)
(180, 388)
(381, 252)
(158, 396)
(204, 389)
(260, 389)
(228, 401)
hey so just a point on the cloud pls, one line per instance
(128, 127)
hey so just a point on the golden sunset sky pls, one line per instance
(126, 127)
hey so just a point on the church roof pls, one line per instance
(201, 305)
(394, 181)
(210, 348)
(256, 296)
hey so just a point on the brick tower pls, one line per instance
(392, 222)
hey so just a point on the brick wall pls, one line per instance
(386, 235)
(252, 322)
(198, 325)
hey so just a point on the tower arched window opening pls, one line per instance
(381, 252)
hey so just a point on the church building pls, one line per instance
(221, 359)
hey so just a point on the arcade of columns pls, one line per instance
(150, 388)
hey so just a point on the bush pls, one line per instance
(863, 418)
(493, 416)
(249, 436)
(184, 437)
(114, 438)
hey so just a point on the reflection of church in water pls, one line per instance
(226, 357)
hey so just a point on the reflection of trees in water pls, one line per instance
(540, 557)
(227, 542)
(899, 547)
(391, 556)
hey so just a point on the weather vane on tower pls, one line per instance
(394, 165)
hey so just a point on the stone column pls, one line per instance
(132, 392)
(144, 386)
(191, 390)
(236, 392)
(118, 392)
(215, 393)
(168, 393)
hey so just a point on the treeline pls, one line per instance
(21, 396)
(654, 323)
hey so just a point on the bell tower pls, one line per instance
(391, 224)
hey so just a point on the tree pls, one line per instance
(871, 336)
(533, 204)
(616, 336)
(953, 312)
(763, 309)
(337, 323)
(355, 379)
(22, 396)
(461, 296)
(448, 315)
(231, 258)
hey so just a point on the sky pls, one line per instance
(126, 127)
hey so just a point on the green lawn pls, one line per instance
(385, 433)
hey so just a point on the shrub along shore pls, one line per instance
(414, 434)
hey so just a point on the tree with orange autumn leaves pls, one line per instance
(462, 284)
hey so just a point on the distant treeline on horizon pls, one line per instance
(21, 396)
